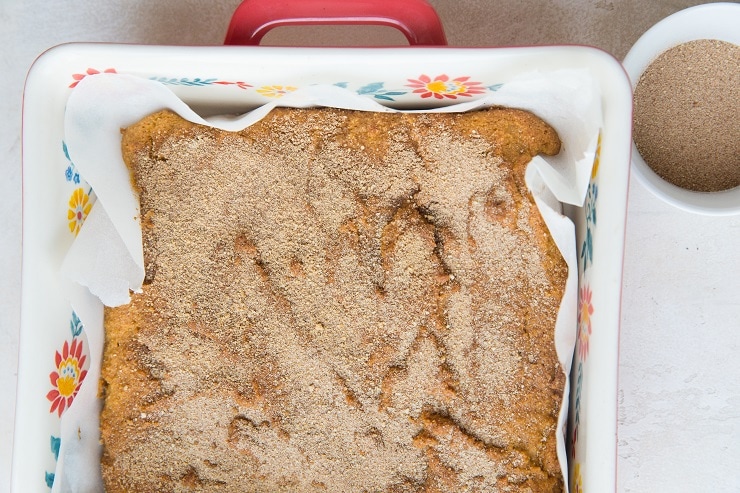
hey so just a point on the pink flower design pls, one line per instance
(443, 87)
(90, 71)
(68, 376)
(585, 311)
(239, 84)
(574, 439)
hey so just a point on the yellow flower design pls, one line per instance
(577, 479)
(275, 91)
(79, 208)
(597, 158)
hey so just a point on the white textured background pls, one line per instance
(679, 396)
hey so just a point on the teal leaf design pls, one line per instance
(342, 84)
(593, 195)
(49, 479)
(70, 174)
(197, 82)
(587, 253)
(371, 88)
(76, 325)
(494, 87)
(376, 90)
(56, 443)
(577, 420)
(184, 81)
(587, 249)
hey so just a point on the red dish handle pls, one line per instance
(416, 19)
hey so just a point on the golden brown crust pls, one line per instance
(337, 301)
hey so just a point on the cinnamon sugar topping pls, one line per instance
(337, 301)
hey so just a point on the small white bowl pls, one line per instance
(709, 21)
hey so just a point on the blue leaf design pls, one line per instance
(495, 87)
(56, 442)
(384, 98)
(76, 325)
(197, 82)
(70, 174)
(371, 88)
(587, 250)
(49, 479)
(595, 195)
(164, 80)
(342, 84)
(184, 81)
(394, 93)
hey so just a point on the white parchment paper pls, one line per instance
(106, 259)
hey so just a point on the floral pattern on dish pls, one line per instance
(597, 158)
(55, 443)
(198, 82)
(585, 310)
(589, 207)
(90, 71)
(577, 411)
(68, 375)
(80, 205)
(442, 87)
(577, 485)
(70, 174)
(378, 91)
(276, 91)
(424, 87)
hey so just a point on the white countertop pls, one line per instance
(679, 396)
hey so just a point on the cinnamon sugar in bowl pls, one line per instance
(685, 76)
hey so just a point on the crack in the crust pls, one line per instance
(472, 244)
(350, 396)
(192, 479)
(450, 284)
(369, 242)
(282, 303)
(438, 427)
(146, 215)
(437, 421)
(449, 287)
(387, 382)
(445, 287)
(244, 246)
(448, 389)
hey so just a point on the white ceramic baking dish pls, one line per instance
(53, 350)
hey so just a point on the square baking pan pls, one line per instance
(54, 353)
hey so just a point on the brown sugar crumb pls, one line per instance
(686, 106)
(337, 301)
